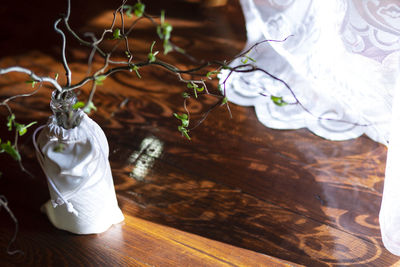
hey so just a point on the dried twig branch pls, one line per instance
(4, 204)
(32, 75)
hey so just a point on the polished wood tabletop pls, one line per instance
(237, 194)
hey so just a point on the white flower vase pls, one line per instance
(75, 162)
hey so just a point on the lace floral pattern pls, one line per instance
(372, 28)
(341, 60)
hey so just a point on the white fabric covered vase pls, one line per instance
(75, 161)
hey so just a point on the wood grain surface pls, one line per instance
(237, 194)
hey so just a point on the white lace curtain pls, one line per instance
(342, 62)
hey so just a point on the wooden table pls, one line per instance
(236, 194)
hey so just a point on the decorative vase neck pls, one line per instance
(62, 105)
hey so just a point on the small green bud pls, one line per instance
(278, 100)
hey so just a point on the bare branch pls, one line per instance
(5, 101)
(205, 115)
(64, 59)
(4, 203)
(32, 75)
(68, 10)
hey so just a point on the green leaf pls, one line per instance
(184, 132)
(180, 50)
(32, 82)
(195, 88)
(159, 31)
(184, 118)
(164, 31)
(162, 16)
(78, 104)
(128, 11)
(152, 56)
(22, 128)
(56, 77)
(181, 117)
(165, 34)
(225, 100)
(212, 73)
(99, 79)
(278, 101)
(152, 46)
(30, 124)
(136, 69)
(167, 47)
(10, 149)
(244, 61)
(138, 9)
(247, 58)
(89, 108)
(10, 121)
(185, 95)
(117, 34)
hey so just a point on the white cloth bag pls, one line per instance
(75, 161)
